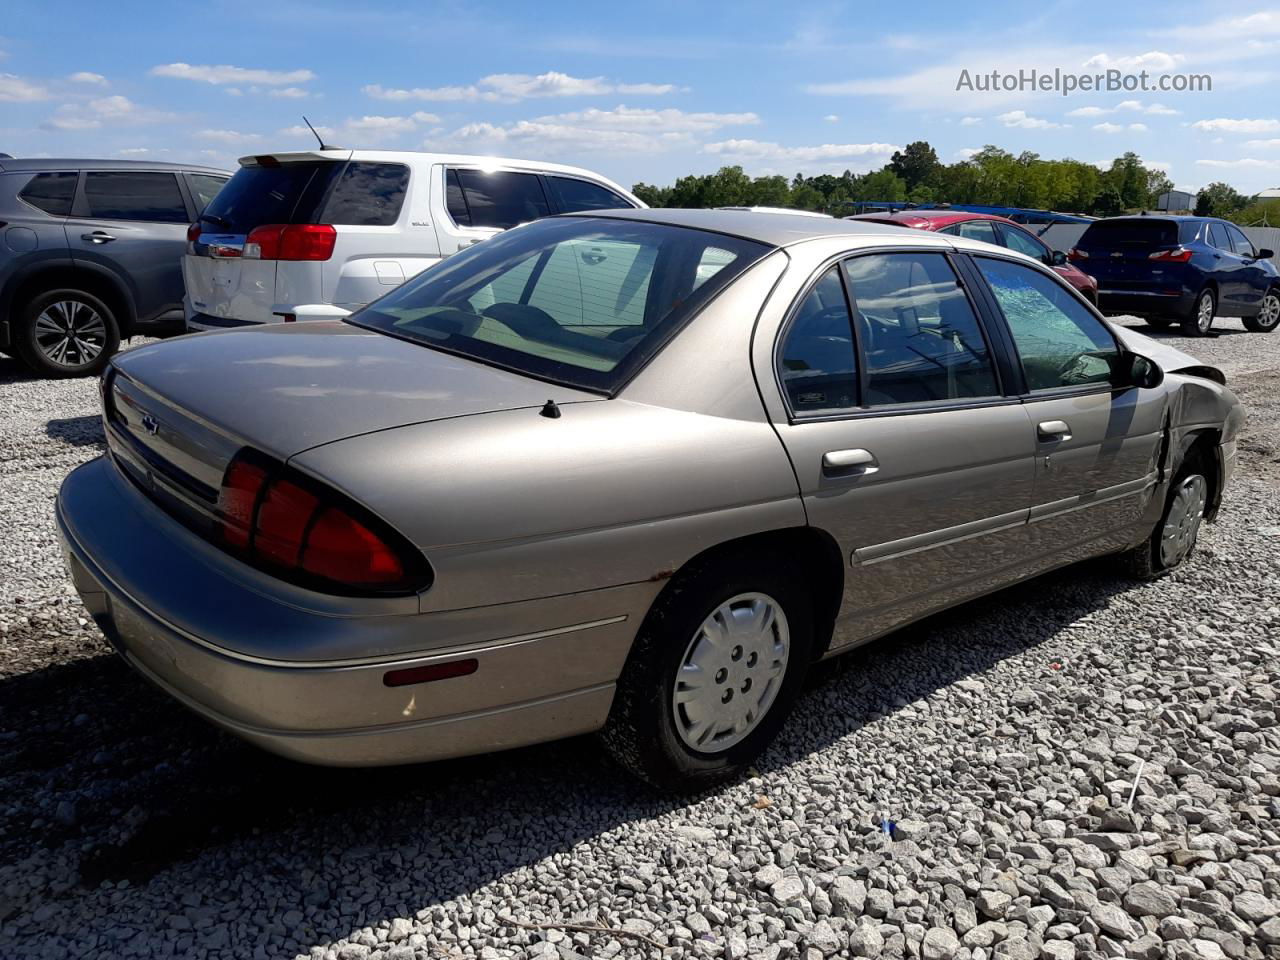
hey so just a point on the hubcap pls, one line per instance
(70, 333)
(1183, 523)
(731, 672)
(1204, 316)
(1270, 314)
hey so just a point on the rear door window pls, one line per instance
(271, 193)
(1218, 237)
(130, 195)
(977, 230)
(51, 192)
(572, 195)
(817, 365)
(368, 194)
(1023, 242)
(204, 188)
(501, 198)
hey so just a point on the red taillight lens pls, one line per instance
(1075, 253)
(290, 241)
(193, 232)
(1176, 255)
(296, 528)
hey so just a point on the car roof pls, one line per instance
(932, 218)
(422, 156)
(38, 164)
(1177, 217)
(774, 229)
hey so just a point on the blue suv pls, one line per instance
(1180, 269)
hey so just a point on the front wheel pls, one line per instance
(66, 333)
(1268, 318)
(1200, 319)
(1174, 539)
(715, 670)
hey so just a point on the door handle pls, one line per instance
(857, 462)
(97, 237)
(1055, 430)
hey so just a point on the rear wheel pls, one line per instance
(1174, 539)
(66, 333)
(714, 672)
(1268, 318)
(1200, 319)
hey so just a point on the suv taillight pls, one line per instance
(193, 232)
(289, 525)
(290, 241)
(1176, 255)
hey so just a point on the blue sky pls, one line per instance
(641, 91)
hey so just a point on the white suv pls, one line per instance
(324, 232)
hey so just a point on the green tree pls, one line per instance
(769, 192)
(915, 164)
(653, 196)
(1219, 200)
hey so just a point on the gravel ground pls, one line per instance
(1004, 738)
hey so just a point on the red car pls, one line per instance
(1000, 231)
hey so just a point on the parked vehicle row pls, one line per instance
(1184, 270)
(621, 471)
(89, 249)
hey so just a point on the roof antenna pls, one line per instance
(323, 145)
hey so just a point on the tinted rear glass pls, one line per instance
(573, 195)
(1138, 232)
(370, 194)
(204, 188)
(153, 197)
(287, 193)
(577, 300)
(51, 192)
(502, 199)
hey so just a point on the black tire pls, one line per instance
(1268, 318)
(1160, 323)
(37, 346)
(1194, 323)
(641, 732)
(1148, 561)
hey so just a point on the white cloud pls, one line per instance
(1160, 110)
(1151, 60)
(1242, 164)
(1108, 127)
(831, 118)
(1138, 128)
(965, 153)
(513, 87)
(288, 93)
(224, 73)
(390, 125)
(84, 76)
(1229, 125)
(1130, 106)
(302, 130)
(228, 136)
(13, 89)
(970, 121)
(133, 151)
(1271, 144)
(356, 131)
(1020, 118)
(109, 111)
(767, 151)
(1088, 112)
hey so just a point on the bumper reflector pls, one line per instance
(430, 672)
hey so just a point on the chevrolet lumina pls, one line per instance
(629, 472)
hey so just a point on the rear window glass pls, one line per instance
(368, 194)
(501, 198)
(51, 192)
(153, 197)
(578, 301)
(573, 195)
(204, 188)
(286, 193)
(1139, 232)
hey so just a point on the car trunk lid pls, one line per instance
(1121, 249)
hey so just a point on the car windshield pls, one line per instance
(581, 301)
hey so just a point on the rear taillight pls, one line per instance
(1075, 253)
(290, 241)
(1176, 255)
(296, 528)
(193, 232)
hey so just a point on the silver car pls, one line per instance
(629, 472)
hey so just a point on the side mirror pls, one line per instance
(1265, 254)
(1137, 371)
(1057, 259)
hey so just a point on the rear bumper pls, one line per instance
(1145, 302)
(177, 613)
(204, 321)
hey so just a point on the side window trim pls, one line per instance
(1027, 395)
(784, 331)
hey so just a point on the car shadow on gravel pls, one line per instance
(169, 793)
(77, 431)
